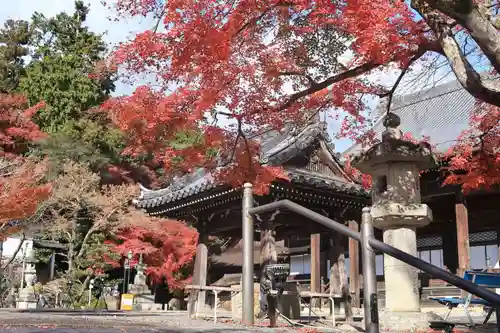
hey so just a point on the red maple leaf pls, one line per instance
(167, 247)
(475, 158)
(257, 64)
(20, 188)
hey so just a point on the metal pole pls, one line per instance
(497, 318)
(125, 269)
(369, 274)
(437, 272)
(24, 264)
(248, 261)
(384, 248)
(128, 280)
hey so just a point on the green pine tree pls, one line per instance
(65, 53)
(14, 40)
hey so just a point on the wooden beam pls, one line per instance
(462, 222)
(354, 283)
(316, 264)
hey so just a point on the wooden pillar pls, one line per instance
(197, 298)
(354, 284)
(338, 276)
(450, 248)
(268, 256)
(462, 221)
(201, 225)
(316, 266)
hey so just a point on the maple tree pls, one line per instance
(474, 161)
(168, 248)
(82, 214)
(266, 63)
(20, 179)
(98, 225)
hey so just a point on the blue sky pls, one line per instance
(99, 21)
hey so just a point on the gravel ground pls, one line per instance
(59, 322)
(165, 322)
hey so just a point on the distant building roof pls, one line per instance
(440, 113)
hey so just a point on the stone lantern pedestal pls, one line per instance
(394, 165)
(27, 297)
(143, 299)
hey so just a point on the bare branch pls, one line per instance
(390, 94)
(471, 17)
(362, 69)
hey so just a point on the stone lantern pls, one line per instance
(27, 297)
(394, 165)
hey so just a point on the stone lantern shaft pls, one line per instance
(394, 165)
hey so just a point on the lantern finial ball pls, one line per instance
(391, 120)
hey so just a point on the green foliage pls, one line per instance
(61, 82)
(84, 140)
(65, 54)
(14, 39)
(98, 257)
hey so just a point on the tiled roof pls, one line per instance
(276, 148)
(440, 113)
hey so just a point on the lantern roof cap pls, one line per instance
(394, 148)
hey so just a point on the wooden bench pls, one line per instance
(482, 279)
(302, 294)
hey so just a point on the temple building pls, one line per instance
(316, 180)
(463, 234)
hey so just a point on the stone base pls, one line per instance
(139, 289)
(144, 302)
(112, 303)
(402, 321)
(289, 305)
(27, 299)
(237, 302)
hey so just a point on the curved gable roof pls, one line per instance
(277, 148)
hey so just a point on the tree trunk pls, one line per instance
(338, 274)
(483, 89)
(13, 257)
(85, 240)
(84, 287)
(469, 15)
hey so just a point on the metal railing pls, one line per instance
(368, 244)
